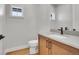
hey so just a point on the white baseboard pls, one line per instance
(15, 48)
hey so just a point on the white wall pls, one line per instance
(36, 19)
(2, 13)
(20, 30)
(63, 16)
(76, 16)
(43, 17)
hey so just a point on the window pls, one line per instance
(17, 11)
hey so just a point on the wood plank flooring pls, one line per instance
(24, 51)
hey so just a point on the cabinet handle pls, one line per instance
(50, 48)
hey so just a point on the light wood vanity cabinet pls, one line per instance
(49, 46)
(42, 47)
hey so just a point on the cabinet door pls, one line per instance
(43, 50)
(57, 50)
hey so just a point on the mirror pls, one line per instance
(67, 16)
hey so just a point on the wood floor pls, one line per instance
(24, 51)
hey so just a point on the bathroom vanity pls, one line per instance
(56, 44)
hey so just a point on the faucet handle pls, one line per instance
(61, 30)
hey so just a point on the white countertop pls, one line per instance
(66, 39)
